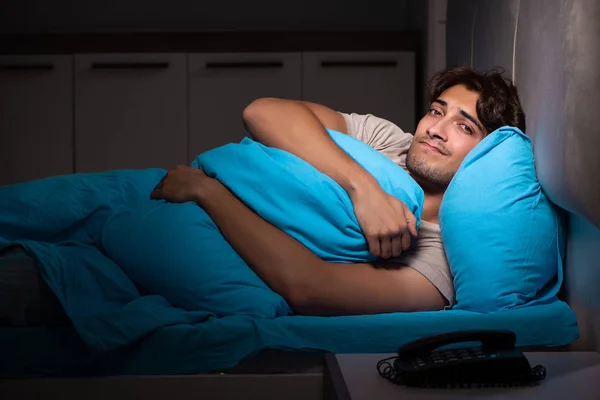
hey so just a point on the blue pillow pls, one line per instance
(500, 231)
(176, 250)
(307, 204)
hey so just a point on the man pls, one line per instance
(412, 274)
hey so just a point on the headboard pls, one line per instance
(551, 51)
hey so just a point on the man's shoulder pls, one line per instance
(371, 124)
(381, 134)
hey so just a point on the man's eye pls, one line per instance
(467, 129)
(434, 111)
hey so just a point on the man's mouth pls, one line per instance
(432, 147)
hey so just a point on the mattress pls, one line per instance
(41, 342)
(25, 299)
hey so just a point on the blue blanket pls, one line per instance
(124, 266)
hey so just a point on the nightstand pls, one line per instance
(568, 375)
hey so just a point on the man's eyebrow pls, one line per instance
(463, 113)
(472, 119)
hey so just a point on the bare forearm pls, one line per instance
(292, 126)
(309, 284)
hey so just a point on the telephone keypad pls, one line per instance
(419, 363)
(440, 357)
(453, 356)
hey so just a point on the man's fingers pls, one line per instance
(396, 246)
(157, 191)
(386, 246)
(405, 241)
(374, 246)
(411, 221)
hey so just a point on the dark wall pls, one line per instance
(417, 10)
(41, 16)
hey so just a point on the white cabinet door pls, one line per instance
(378, 83)
(130, 111)
(221, 85)
(36, 117)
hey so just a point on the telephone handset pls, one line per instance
(496, 362)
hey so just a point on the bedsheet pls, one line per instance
(220, 343)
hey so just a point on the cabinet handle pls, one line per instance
(243, 64)
(129, 65)
(27, 67)
(354, 64)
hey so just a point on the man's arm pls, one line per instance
(299, 128)
(309, 284)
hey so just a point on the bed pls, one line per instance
(41, 340)
(45, 348)
(43, 352)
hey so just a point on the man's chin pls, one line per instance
(427, 175)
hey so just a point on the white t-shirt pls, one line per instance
(426, 254)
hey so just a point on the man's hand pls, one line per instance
(183, 184)
(386, 221)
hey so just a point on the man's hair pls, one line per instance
(498, 104)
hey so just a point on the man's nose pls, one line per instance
(438, 130)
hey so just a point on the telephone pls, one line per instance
(496, 362)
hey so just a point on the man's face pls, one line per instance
(444, 136)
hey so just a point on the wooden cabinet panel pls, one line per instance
(221, 85)
(36, 117)
(130, 111)
(379, 83)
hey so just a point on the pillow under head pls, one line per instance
(500, 231)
